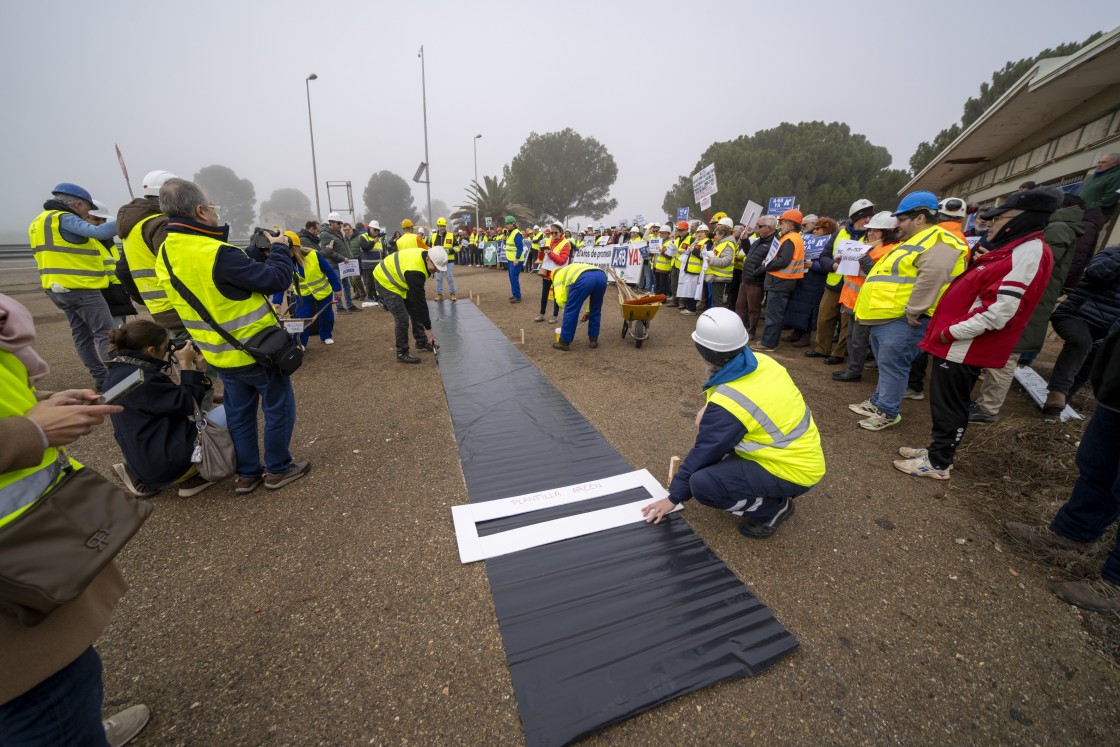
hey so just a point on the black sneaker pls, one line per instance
(748, 527)
(407, 358)
(193, 486)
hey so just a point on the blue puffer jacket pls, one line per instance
(1096, 298)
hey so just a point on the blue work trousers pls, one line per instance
(514, 279)
(307, 307)
(63, 709)
(742, 487)
(591, 284)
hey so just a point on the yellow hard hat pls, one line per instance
(406, 223)
(717, 216)
(441, 222)
(294, 237)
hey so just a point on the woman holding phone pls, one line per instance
(156, 431)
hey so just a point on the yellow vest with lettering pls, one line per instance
(142, 268)
(192, 257)
(74, 266)
(781, 434)
(390, 273)
(888, 286)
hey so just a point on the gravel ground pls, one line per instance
(335, 611)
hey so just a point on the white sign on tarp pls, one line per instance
(705, 202)
(751, 214)
(849, 251)
(704, 185)
(626, 261)
(349, 269)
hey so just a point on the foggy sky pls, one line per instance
(185, 85)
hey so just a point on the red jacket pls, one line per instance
(984, 311)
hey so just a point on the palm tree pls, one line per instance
(495, 199)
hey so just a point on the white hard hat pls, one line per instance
(653, 225)
(556, 223)
(336, 217)
(954, 207)
(859, 205)
(665, 229)
(374, 225)
(536, 228)
(635, 229)
(153, 180)
(703, 227)
(438, 255)
(727, 222)
(884, 221)
(101, 210)
(720, 329)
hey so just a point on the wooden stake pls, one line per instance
(674, 465)
(522, 337)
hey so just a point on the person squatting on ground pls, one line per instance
(757, 446)
(69, 256)
(156, 429)
(400, 280)
(571, 286)
(232, 289)
(978, 321)
(1094, 504)
(898, 298)
(51, 692)
(317, 289)
(558, 251)
(783, 265)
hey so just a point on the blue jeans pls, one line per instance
(64, 709)
(347, 300)
(272, 392)
(307, 307)
(450, 273)
(593, 284)
(742, 487)
(514, 279)
(1095, 501)
(895, 344)
(90, 324)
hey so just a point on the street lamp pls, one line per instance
(475, 142)
(424, 89)
(314, 167)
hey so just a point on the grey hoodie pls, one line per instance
(334, 247)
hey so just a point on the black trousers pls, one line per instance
(394, 304)
(950, 392)
(546, 283)
(1071, 369)
(918, 366)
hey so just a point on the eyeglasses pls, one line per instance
(215, 208)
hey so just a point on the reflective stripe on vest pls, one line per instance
(797, 266)
(315, 281)
(728, 271)
(142, 268)
(73, 266)
(563, 278)
(779, 439)
(849, 292)
(109, 260)
(390, 273)
(887, 289)
(661, 263)
(511, 245)
(192, 256)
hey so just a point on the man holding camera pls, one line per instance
(334, 245)
(194, 255)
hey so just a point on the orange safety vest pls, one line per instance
(797, 266)
(852, 283)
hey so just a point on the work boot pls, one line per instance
(593, 342)
(561, 345)
(846, 376)
(832, 360)
(793, 335)
(122, 727)
(454, 297)
(754, 529)
(295, 471)
(439, 297)
(407, 358)
(1055, 403)
(1099, 595)
(1041, 535)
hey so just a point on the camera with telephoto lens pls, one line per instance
(177, 345)
(262, 238)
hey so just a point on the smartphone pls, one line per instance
(130, 382)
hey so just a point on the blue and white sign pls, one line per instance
(815, 245)
(682, 214)
(779, 205)
(466, 218)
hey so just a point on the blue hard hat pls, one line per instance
(917, 201)
(66, 188)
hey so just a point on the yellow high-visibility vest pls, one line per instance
(109, 260)
(390, 273)
(661, 263)
(781, 435)
(315, 281)
(563, 278)
(727, 245)
(888, 286)
(834, 277)
(74, 266)
(192, 257)
(408, 241)
(511, 245)
(142, 268)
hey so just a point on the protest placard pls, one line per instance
(706, 202)
(349, 269)
(849, 251)
(751, 213)
(815, 245)
(779, 205)
(625, 260)
(491, 250)
(682, 214)
(704, 185)
(489, 222)
(972, 241)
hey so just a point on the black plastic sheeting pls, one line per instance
(599, 628)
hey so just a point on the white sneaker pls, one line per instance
(911, 394)
(906, 451)
(368, 304)
(122, 727)
(879, 421)
(329, 341)
(551, 320)
(864, 408)
(920, 467)
(129, 484)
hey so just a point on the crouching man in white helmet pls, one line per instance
(757, 447)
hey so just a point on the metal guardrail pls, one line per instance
(15, 251)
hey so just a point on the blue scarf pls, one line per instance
(738, 367)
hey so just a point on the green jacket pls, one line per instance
(1099, 190)
(1061, 236)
